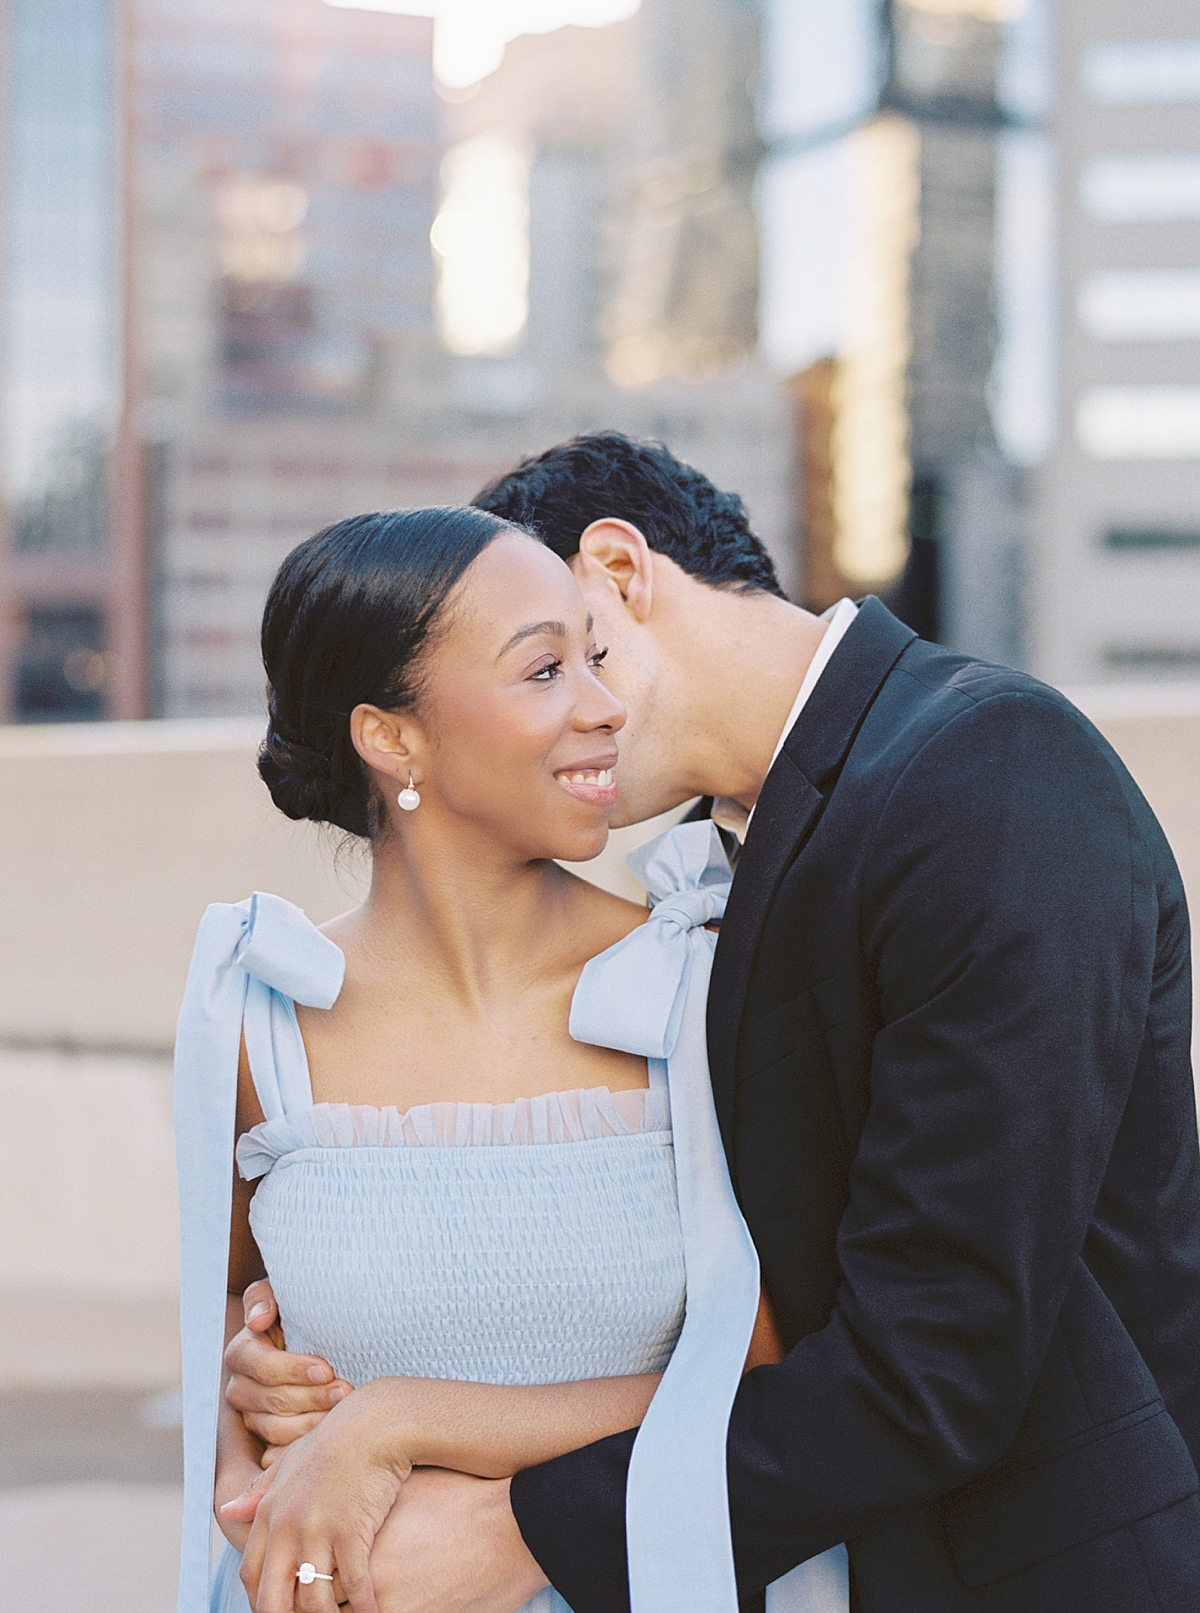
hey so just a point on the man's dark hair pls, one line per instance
(558, 494)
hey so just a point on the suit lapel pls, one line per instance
(789, 805)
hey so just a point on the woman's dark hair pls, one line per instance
(347, 618)
(557, 495)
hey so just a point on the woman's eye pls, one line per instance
(597, 661)
(547, 673)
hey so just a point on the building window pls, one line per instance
(1142, 72)
(869, 446)
(1139, 422)
(1141, 305)
(60, 670)
(1152, 537)
(1163, 187)
(276, 349)
(1153, 657)
(481, 241)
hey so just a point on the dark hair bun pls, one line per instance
(299, 778)
(346, 622)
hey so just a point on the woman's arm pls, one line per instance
(327, 1496)
(490, 1430)
(331, 1491)
(239, 1452)
(472, 1428)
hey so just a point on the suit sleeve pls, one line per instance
(1007, 921)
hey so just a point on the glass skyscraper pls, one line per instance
(60, 345)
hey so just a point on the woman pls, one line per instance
(453, 1106)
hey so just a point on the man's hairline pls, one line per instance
(731, 585)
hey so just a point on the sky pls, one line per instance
(470, 35)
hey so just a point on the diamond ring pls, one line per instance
(306, 1573)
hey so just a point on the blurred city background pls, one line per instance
(919, 278)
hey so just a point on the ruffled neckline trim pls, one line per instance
(551, 1117)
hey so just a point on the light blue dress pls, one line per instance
(548, 1240)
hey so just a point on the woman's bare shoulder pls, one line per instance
(603, 918)
(342, 929)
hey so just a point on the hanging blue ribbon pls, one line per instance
(266, 939)
(647, 996)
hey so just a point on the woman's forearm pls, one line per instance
(494, 1430)
(238, 1451)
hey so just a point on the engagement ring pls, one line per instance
(306, 1573)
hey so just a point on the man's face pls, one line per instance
(638, 672)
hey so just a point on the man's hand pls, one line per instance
(451, 1545)
(279, 1395)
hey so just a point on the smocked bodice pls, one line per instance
(479, 1256)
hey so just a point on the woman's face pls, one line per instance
(515, 726)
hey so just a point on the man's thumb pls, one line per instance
(259, 1307)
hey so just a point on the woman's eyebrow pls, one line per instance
(550, 629)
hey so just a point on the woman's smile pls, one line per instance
(591, 781)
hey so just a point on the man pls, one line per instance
(949, 1042)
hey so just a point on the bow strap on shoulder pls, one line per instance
(632, 996)
(688, 860)
(267, 939)
(282, 947)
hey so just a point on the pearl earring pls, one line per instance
(409, 798)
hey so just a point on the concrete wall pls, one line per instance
(112, 840)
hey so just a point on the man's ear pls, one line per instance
(617, 552)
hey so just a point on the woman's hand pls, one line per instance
(237, 1493)
(322, 1502)
(324, 1499)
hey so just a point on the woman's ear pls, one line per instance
(387, 741)
(616, 552)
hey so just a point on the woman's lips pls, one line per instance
(595, 785)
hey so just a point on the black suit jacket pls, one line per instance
(949, 1036)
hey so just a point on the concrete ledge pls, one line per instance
(78, 1338)
(114, 837)
(165, 738)
(88, 1436)
(90, 1548)
(1104, 702)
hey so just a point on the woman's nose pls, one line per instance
(599, 707)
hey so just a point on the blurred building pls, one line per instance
(886, 128)
(1115, 562)
(286, 160)
(630, 298)
(981, 221)
(218, 220)
(60, 385)
(225, 325)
